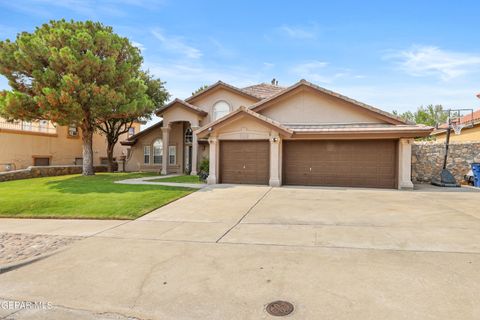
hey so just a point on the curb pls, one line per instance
(15, 265)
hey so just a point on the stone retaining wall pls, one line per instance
(47, 171)
(427, 159)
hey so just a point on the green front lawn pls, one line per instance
(179, 179)
(76, 196)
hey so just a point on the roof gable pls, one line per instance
(303, 84)
(219, 85)
(242, 112)
(183, 104)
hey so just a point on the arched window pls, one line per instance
(188, 135)
(157, 151)
(220, 109)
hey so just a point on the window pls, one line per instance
(131, 131)
(43, 125)
(27, 125)
(188, 135)
(146, 154)
(41, 161)
(157, 151)
(220, 109)
(172, 155)
(72, 131)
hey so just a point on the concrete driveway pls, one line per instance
(227, 251)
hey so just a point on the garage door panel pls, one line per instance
(244, 162)
(367, 163)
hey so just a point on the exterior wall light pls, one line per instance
(274, 139)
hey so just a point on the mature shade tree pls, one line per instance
(72, 73)
(121, 119)
(200, 89)
(430, 115)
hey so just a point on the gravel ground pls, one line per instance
(18, 247)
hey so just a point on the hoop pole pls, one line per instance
(447, 142)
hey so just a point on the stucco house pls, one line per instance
(42, 143)
(470, 133)
(268, 134)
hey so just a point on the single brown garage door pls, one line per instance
(350, 163)
(244, 162)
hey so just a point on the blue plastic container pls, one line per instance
(476, 174)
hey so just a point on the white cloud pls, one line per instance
(176, 45)
(88, 8)
(312, 71)
(299, 32)
(430, 60)
(139, 46)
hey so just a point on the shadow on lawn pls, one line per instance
(104, 184)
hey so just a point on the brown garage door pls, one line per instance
(244, 162)
(354, 163)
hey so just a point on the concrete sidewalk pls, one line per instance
(224, 252)
(63, 227)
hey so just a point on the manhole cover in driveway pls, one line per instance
(279, 308)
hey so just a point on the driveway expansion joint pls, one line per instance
(245, 215)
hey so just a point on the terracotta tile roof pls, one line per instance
(220, 84)
(133, 139)
(245, 110)
(183, 103)
(263, 90)
(357, 127)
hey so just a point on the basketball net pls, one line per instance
(457, 128)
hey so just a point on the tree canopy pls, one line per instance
(72, 73)
(430, 115)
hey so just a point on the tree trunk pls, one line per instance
(87, 139)
(110, 147)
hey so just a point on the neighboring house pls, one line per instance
(467, 134)
(267, 134)
(41, 143)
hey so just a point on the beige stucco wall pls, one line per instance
(312, 107)
(244, 128)
(472, 134)
(19, 148)
(178, 113)
(135, 161)
(247, 128)
(207, 101)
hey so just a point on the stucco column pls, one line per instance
(405, 164)
(165, 134)
(194, 151)
(212, 176)
(274, 161)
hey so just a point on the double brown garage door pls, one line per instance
(368, 163)
(244, 162)
(354, 163)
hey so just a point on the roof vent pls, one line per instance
(274, 82)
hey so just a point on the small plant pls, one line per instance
(204, 169)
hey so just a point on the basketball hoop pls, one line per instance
(457, 128)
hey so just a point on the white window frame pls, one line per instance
(160, 151)
(131, 131)
(146, 153)
(215, 112)
(188, 135)
(73, 131)
(172, 151)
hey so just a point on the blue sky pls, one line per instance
(394, 55)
